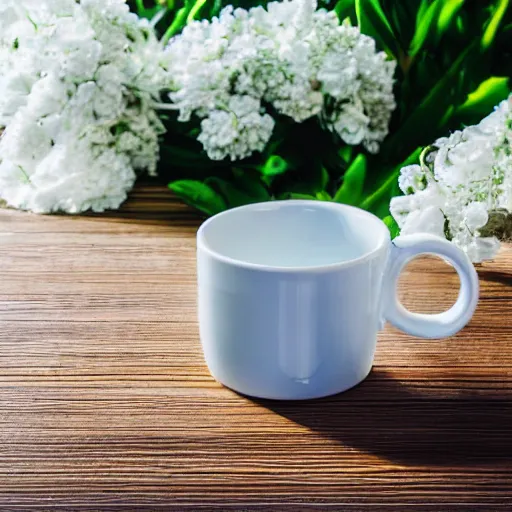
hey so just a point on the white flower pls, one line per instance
(412, 179)
(420, 212)
(293, 60)
(351, 123)
(77, 95)
(475, 216)
(469, 177)
(428, 220)
(359, 79)
(237, 131)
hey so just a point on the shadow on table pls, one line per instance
(495, 276)
(420, 424)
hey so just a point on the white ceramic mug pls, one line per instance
(293, 293)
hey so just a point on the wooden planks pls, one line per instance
(105, 402)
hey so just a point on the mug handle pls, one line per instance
(440, 325)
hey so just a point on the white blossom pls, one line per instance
(77, 95)
(237, 131)
(357, 78)
(466, 178)
(291, 59)
(412, 179)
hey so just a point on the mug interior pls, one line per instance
(294, 233)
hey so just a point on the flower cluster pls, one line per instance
(462, 181)
(238, 71)
(76, 103)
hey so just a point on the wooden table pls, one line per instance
(105, 402)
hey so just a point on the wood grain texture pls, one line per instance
(106, 404)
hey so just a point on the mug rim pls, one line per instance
(202, 245)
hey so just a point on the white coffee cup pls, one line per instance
(293, 293)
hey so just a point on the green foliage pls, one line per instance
(491, 29)
(482, 101)
(454, 61)
(351, 191)
(377, 201)
(215, 194)
(392, 225)
(200, 195)
(274, 165)
(170, 16)
(373, 22)
(243, 188)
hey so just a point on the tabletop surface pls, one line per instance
(106, 403)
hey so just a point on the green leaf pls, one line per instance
(481, 101)
(447, 14)
(351, 189)
(273, 166)
(422, 9)
(199, 195)
(345, 9)
(373, 22)
(252, 184)
(345, 153)
(420, 127)
(324, 178)
(384, 191)
(494, 23)
(296, 195)
(179, 21)
(141, 10)
(242, 189)
(401, 16)
(194, 12)
(392, 225)
(426, 27)
(323, 196)
(319, 177)
(148, 12)
(232, 195)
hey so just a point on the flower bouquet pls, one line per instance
(462, 188)
(245, 102)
